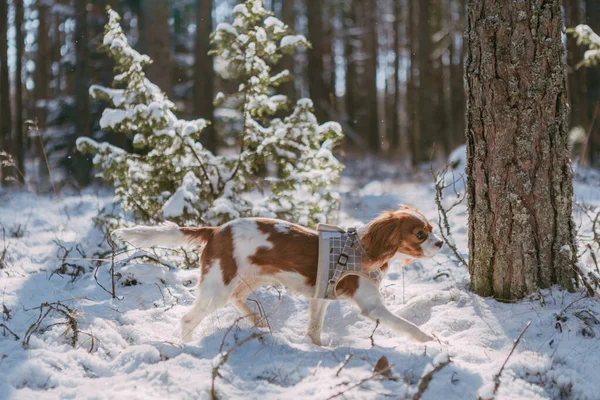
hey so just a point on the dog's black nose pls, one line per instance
(439, 243)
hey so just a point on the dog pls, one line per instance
(247, 253)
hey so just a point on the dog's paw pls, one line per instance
(316, 339)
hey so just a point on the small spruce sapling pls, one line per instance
(176, 178)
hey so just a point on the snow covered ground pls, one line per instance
(136, 352)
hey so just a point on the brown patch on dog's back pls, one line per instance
(220, 247)
(295, 249)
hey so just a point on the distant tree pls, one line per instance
(519, 185)
(317, 86)
(288, 15)
(425, 102)
(18, 140)
(592, 9)
(204, 72)
(349, 22)
(5, 115)
(156, 41)
(80, 165)
(370, 81)
(394, 139)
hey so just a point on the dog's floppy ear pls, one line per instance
(383, 234)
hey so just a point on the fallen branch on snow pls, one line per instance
(497, 376)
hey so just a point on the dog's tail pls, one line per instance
(167, 234)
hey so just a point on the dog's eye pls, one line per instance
(421, 235)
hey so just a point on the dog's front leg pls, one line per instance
(371, 306)
(317, 310)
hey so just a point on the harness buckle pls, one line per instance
(343, 259)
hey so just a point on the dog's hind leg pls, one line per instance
(238, 298)
(318, 307)
(213, 294)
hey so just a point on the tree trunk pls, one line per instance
(42, 84)
(156, 42)
(56, 57)
(426, 102)
(457, 94)
(5, 115)
(519, 177)
(80, 164)
(576, 81)
(372, 50)
(394, 139)
(316, 84)
(204, 73)
(18, 141)
(44, 55)
(288, 16)
(412, 95)
(592, 8)
(349, 22)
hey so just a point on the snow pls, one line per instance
(225, 27)
(137, 352)
(292, 40)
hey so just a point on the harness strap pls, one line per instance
(341, 263)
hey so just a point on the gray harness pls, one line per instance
(340, 254)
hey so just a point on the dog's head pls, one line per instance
(405, 231)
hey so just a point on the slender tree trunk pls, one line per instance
(80, 164)
(412, 95)
(457, 94)
(5, 115)
(519, 178)
(576, 81)
(425, 103)
(395, 120)
(592, 8)
(156, 42)
(204, 73)
(287, 62)
(56, 57)
(316, 84)
(372, 50)
(18, 141)
(42, 84)
(350, 76)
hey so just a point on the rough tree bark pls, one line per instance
(519, 177)
(5, 117)
(204, 73)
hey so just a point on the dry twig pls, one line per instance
(497, 376)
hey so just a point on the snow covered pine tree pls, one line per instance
(176, 178)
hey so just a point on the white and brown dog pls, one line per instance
(245, 254)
